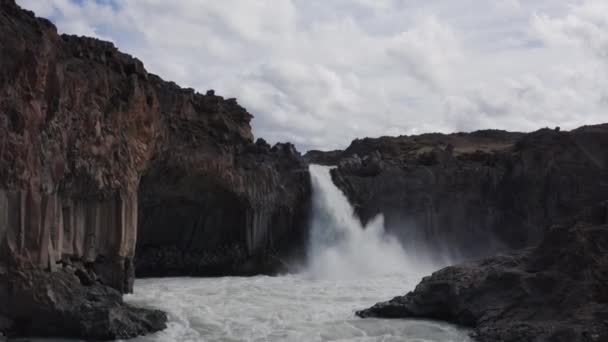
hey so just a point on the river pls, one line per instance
(350, 267)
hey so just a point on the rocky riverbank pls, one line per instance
(557, 291)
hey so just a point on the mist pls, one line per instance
(342, 248)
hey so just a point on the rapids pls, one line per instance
(350, 267)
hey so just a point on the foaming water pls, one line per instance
(350, 267)
(290, 308)
(340, 247)
(286, 308)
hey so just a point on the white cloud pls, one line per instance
(585, 28)
(508, 6)
(321, 73)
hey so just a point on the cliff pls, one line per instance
(557, 291)
(467, 195)
(221, 208)
(95, 151)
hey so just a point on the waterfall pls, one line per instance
(340, 246)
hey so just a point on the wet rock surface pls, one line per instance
(557, 291)
(58, 304)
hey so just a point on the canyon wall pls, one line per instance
(94, 152)
(467, 195)
(214, 203)
(78, 123)
(76, 131)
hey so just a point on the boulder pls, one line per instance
(56, 304)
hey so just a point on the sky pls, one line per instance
(320, 73)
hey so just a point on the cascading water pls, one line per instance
(351, 267)
(340, 247)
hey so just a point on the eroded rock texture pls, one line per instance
(80, 125)
(557, 291)
(78, 122)
(469, 195)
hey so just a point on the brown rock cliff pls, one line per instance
(80, 124)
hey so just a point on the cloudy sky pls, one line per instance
(321, 72)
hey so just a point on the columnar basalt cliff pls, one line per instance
(214, 203)
(76, 130)
(80, 124)
(470, 194)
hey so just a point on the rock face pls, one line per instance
(76, 132)
(557, 291)
(469, 195)
(222, 209)
(88, 142)
(62, 306)
(77, 126)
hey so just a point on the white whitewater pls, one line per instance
(340, 247)
(351, 267)
(291, 308)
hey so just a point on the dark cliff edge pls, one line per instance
(104, 166)
(468, 195)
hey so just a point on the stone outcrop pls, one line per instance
(557, 291)
(468, 195)
(89, 141)
(62, 306)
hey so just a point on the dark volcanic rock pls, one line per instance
(555, 292)
(56, 304)
(209, 213)
(328, 158)
(467, 195)
(212, 202)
